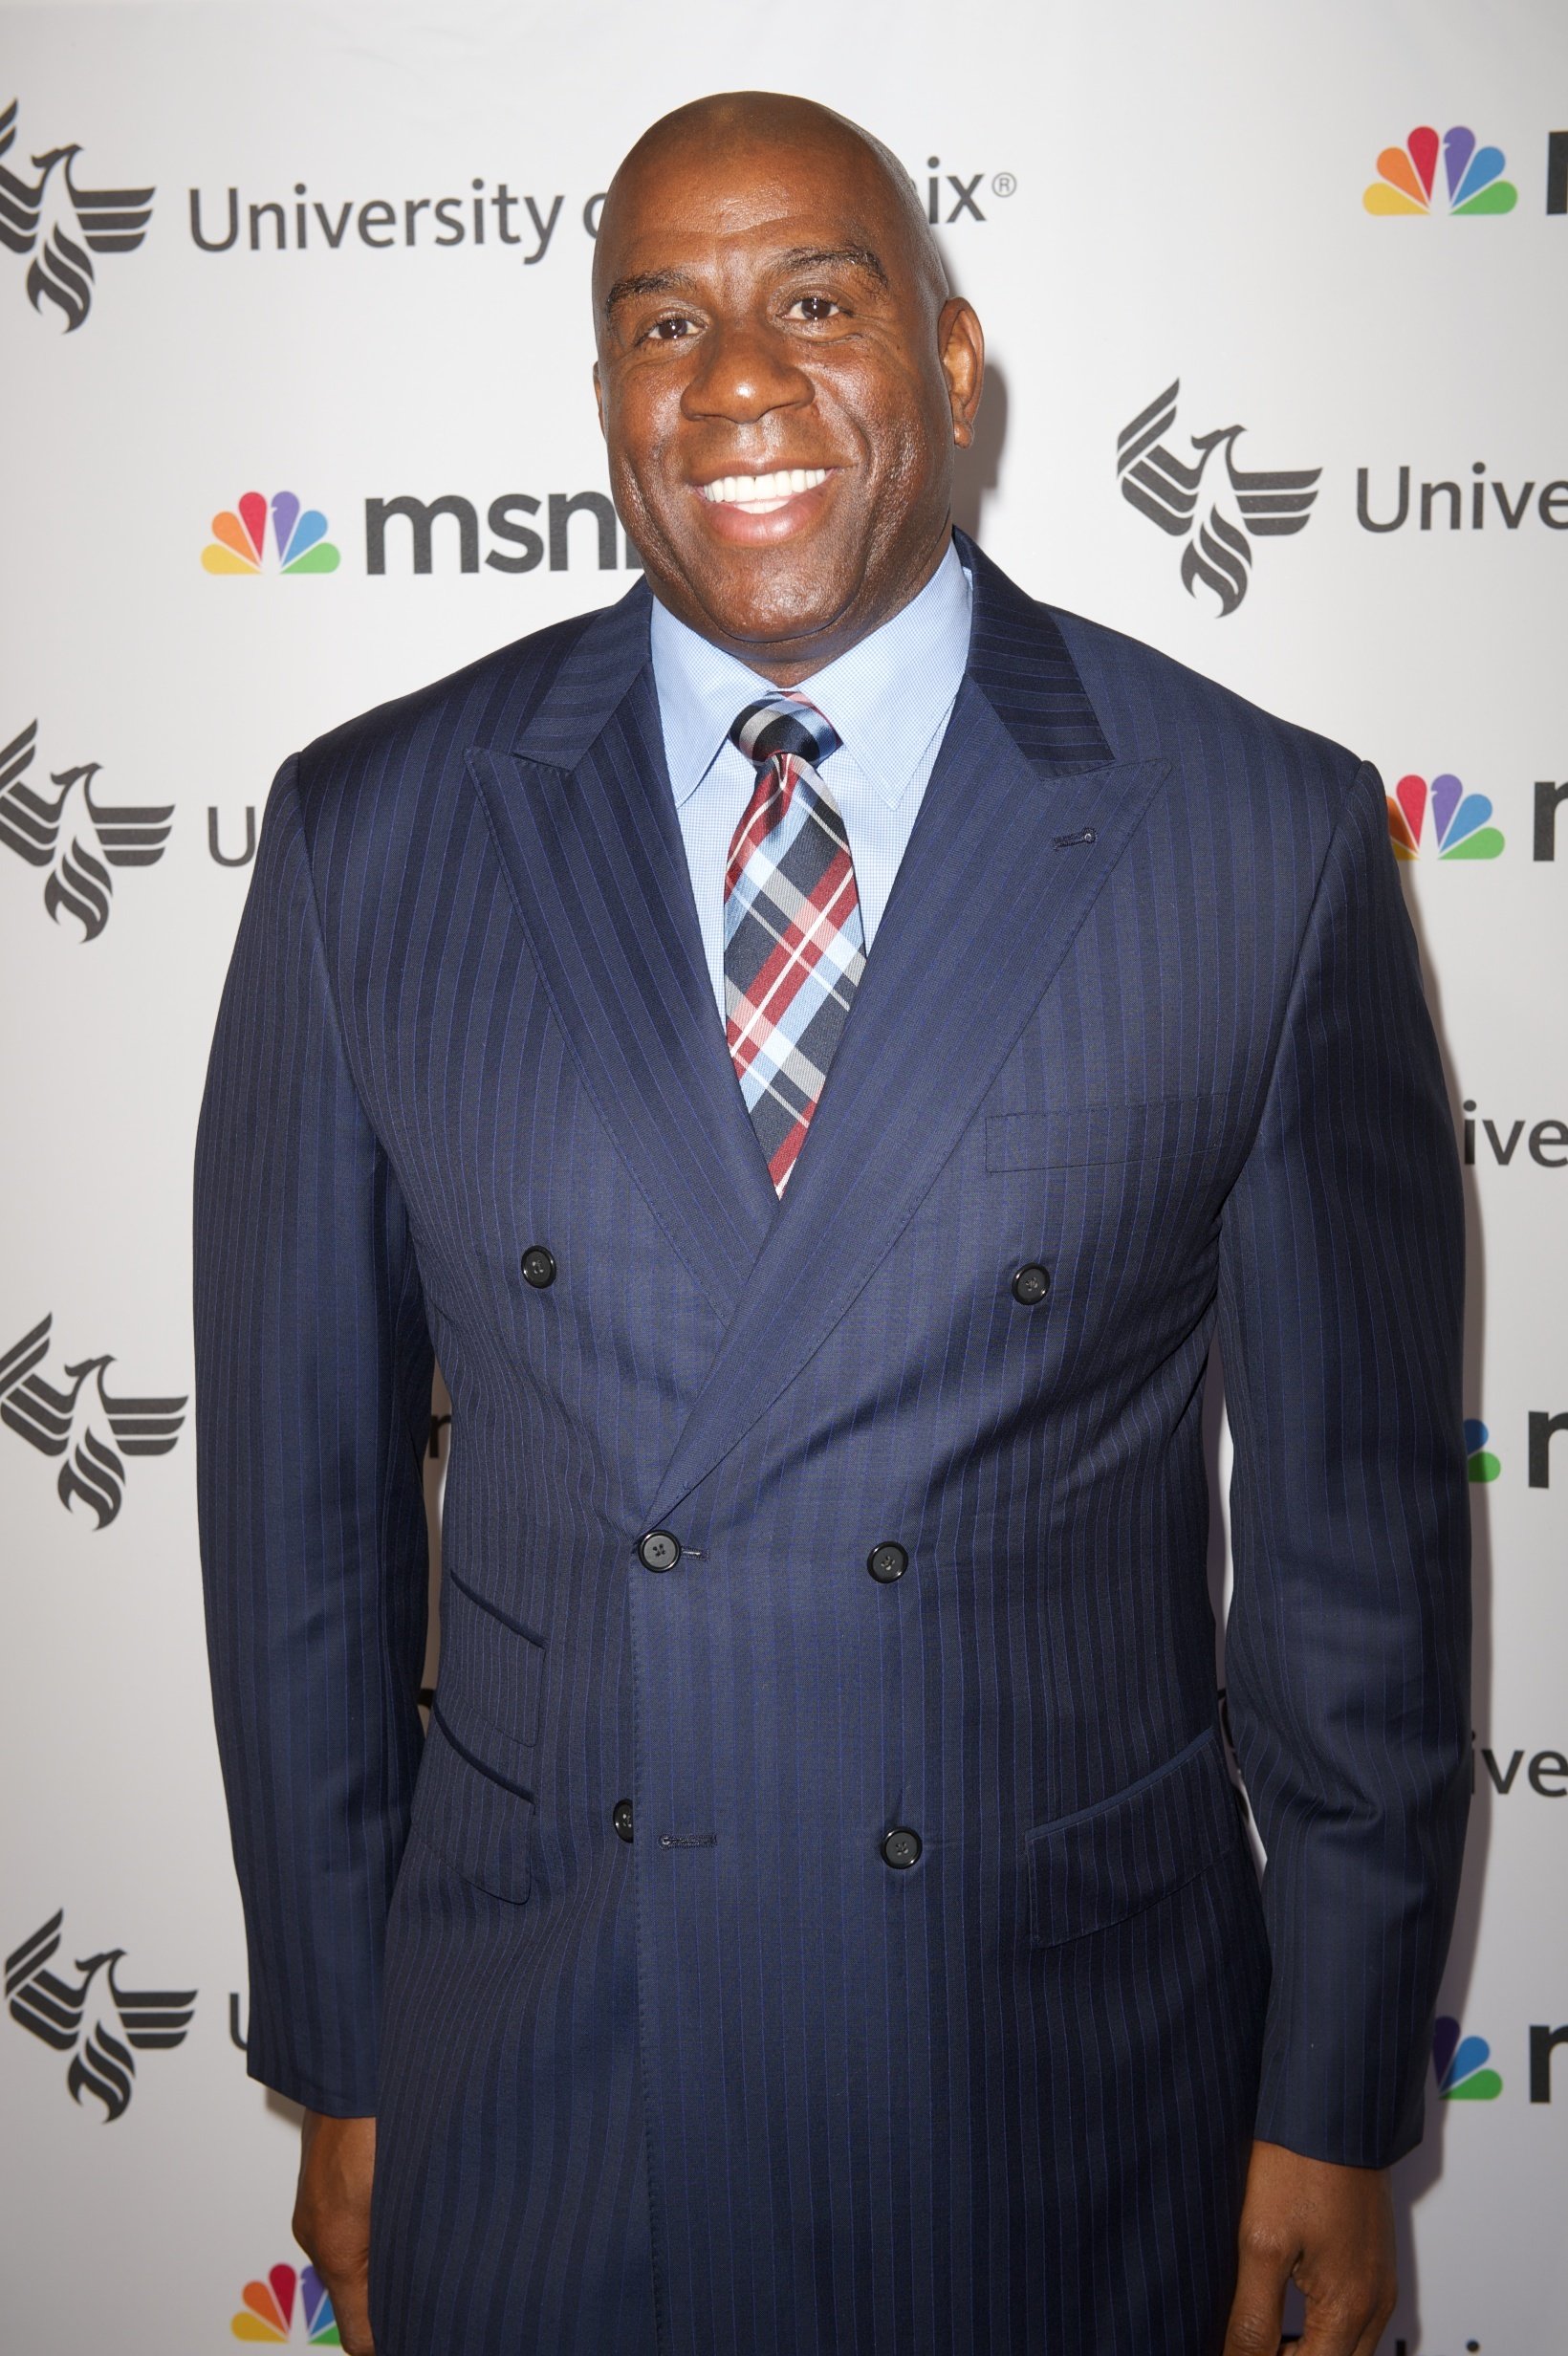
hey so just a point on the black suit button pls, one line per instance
(886, 1563)
(658, 1550)
(539, 1266)
(1031, 1284)
(620, 1817)
(901, 1846)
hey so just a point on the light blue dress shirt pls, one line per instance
(888, 699)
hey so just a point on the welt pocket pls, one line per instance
(481, 1823)
(1094, 1868)
(1072, 1136)
(491, 1666)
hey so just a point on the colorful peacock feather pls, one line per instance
(1461, 825)
(267, 2310)
(1459, 2062)
(1406, 181)
(299, 537)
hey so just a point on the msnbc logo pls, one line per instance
(1459, 2062)
(299, 537)
(1459, 820)
(1407, 175)
(1483, 1465)
(267, 2312)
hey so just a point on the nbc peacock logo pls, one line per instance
(1461, 823)
(1473, 181)
(1480, 1463)
(1461, 2066)
(298, 536)
(270, 2310)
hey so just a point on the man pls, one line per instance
(819, 1049)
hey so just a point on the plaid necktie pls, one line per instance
(794, 948)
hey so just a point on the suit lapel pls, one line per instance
(586, 824)
(1025, 817)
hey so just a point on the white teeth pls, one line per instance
(761, 494)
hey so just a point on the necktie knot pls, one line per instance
(783, 723)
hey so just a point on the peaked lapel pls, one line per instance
(1025, 815)
(586, 824)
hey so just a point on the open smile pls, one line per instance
(763, 495)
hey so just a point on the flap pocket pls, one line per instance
(1092, 1870)
(491, 1666)
(482, 1826)
(1072, 1136)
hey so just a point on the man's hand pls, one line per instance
(331, 2217)
(1329, 2230)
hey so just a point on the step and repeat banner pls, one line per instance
(295, 334)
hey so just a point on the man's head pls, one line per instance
(769, 303)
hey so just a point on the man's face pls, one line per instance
(781, 387)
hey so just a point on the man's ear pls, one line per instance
(962, 349)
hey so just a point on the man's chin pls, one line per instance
(769, 603)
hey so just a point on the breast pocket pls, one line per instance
(1094, 1868)
(1172, 1131)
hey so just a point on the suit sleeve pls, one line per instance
(1347, 1650)
(313, 1401)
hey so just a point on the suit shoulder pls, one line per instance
(1151, 706)
(416, 737)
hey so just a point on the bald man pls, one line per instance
(820, 1049)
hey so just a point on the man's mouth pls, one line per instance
(760, 495)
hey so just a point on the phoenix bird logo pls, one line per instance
(1166, 489)
(104, 835)
(61, 1422)
(54, 2009)
(101, 221)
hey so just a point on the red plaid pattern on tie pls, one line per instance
(794, 946)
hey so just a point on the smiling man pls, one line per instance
(820, 1050)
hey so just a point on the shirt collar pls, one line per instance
(886, 697)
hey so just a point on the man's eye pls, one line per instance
(814, 307)
(674, 329)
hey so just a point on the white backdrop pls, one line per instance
(1134, 196)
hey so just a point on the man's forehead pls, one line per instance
(786, 232)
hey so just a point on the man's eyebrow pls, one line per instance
(823, 257)
(646, 282)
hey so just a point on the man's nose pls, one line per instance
(744, 371)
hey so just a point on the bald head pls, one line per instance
(782, 376)
(737, 128)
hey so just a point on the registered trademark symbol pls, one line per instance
(1003, 184)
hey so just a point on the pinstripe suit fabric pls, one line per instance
(1144, 1006)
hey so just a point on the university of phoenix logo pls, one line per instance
(1461, 822)
(50, 1421)
(1406, 181)
(268, 2309)
(299, 537)
(102, 834)
(33, 218)
(1166, 489)
(54, 2009)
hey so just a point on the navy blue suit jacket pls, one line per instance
(1145, 1011)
